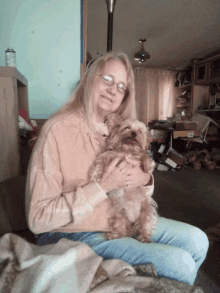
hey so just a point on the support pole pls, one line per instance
(110, 6)
(110, 32)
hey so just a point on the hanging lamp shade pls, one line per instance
(110, 5)
(141, 55)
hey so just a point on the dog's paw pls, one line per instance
(144, 239)
(97, 169)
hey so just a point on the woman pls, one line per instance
(62, 203)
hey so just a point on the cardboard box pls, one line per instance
(186, 133)
(186, 126)
(171, 163)
(162, 148)
(161, 167)
(177, 159)
(162, 159)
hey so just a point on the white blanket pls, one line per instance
(69, 266)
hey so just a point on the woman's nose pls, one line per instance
(113, 89)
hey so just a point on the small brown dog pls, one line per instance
(133, 211)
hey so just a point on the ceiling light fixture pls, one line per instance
(141, 55)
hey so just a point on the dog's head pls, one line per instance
(127, 135)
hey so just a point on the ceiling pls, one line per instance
(177, 31)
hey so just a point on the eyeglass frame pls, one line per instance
(126, 90)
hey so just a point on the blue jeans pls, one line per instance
(177, 251)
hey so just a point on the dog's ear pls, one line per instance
(149, 138)
(112, 120)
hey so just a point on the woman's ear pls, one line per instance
(112, 120)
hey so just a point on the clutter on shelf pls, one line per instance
(183, 78)
(28, 130)
(184, 98)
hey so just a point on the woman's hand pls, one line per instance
(136, 176)
(115, 175)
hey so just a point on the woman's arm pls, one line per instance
(57, 190)
(54, 209)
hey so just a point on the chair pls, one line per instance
(202, 126)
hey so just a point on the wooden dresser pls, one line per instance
(13, 96)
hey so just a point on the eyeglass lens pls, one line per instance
(110, 81)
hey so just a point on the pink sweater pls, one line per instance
(59, 196)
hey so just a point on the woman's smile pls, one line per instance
(106, 98)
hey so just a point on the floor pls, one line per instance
(193, 197)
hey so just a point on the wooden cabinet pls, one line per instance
(206, 76)
(214, 70)
(207, 71)
(205, 81)
(13, 95)
(202, 73)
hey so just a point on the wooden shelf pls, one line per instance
(184, 91)
(14, 95)
(209, 110)
(180, 106)
(7, 71)
(183, 86)
(212, 138)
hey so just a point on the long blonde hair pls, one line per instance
(82, 97)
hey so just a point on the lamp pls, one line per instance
(141, 55)
(110, 7)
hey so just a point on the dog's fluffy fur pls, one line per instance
(133, 212)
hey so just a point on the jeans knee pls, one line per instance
(201, 240)
(182, 268)
(205, 241)
(188, 263)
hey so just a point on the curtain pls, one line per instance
(154, 93)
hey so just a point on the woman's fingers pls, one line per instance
(123, 165)
(132, 161)
(115, 175)
(118, 163)
(111, 167)
(137, 177)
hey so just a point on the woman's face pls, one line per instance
(108, 97)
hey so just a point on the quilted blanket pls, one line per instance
(69, 266)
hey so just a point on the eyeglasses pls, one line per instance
(109, 81)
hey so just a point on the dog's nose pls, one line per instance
(133, 134)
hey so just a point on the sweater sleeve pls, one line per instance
(149, 188)
(48, 206)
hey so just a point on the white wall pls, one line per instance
(46, 38)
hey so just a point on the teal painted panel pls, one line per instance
(46, 38)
